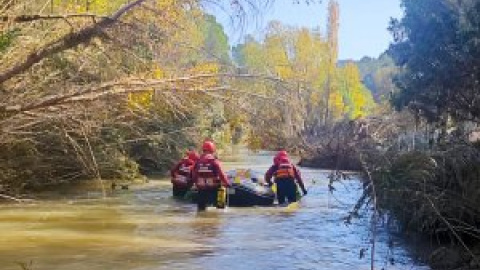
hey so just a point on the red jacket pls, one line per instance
(181, 173)
(284, 169)
(208, 174)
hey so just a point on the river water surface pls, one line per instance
(144, 228)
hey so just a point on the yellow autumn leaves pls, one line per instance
(99, 7)
(106, 7)
(302, 57)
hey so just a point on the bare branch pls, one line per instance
(66, 42)
(37, 17)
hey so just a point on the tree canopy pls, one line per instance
(436, 44)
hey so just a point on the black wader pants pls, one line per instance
(180, 191)
(286, 189)
(206, 197)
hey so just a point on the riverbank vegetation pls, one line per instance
(426, 176)
(92, 90)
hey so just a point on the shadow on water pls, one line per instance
(144, 228)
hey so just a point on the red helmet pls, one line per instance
(283, 159)
(208, 146)
(192, 155)
(275, 160)
(282, 153)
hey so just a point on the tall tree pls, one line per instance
(332, 29)
(216, 41)
(435, 44)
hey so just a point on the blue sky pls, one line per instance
(363, 23)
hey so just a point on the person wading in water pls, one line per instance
(285, 174)
(181, 174)
(208, 176)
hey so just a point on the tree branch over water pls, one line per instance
(133, 85)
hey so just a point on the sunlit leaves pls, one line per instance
(207, 68)
(104, 7)
(277, 58)
(253, 55)
(142, 99)
(337, 105)
(358, 99)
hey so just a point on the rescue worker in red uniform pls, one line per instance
(286, 176)
(181, 174)
(208, 176)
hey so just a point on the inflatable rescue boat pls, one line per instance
(248, 188)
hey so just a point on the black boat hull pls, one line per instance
(242, 196)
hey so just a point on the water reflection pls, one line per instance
(145, 229)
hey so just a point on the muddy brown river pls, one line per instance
(144, 228)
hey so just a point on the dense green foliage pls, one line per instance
(436, 44)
